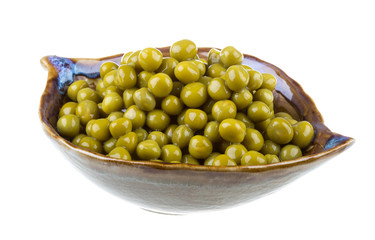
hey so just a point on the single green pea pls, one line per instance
(303, 134)
(236, 78)
(68, 108)
(74, 88)
(107, 67)
(172, 105)
(136, 116)
(255, 80)
(269, 81)
(258, 111)
(200, 147)
(148, 150)
(100, 129)
(195, 119)
(216, 70)
(183, 50)
(115, 115)
(127, 97)
(235, 152)
(270, 147)
(109, 145)
(126, 77)
(280, 131)
(159, 137)
(188, 159)
(125, 57)
(194, 94)
(144, 99)
(91, 144)
(157, 120)
(160, 85)
(230, 56)
(232, 130)
(112, 102)
(182, 135)
(242, 99)
(68, 126)
(121, 153)
(109, 78)
(150, 59)
(201, 66)
(88, 94)
(290, 152)
(78, 138)
(253, 140)
(213, 56)
(253, 158)
(100, 88)
(271, 158)
(218, 90)
(245, 119)
(129, 141)
(224, 109)
(167, 66)
(211, 131)
(283, 115)
(142, 134)
(171, 153)
(142, 79)
(223, 160)
(87, 110)
(187, 72)
(120, 127)
(134, 61)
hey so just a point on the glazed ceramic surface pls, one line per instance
(182, 188)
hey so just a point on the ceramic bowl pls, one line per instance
(182, 188)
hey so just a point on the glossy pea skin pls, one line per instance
(183, 50)
(115, 115)
(120, 127)
(223, 160)
(235, 152)
(171, 153)
(264, 95)
(253, 158)
(245, 119)
(148, 149)
(68, 108)
(201, 66)
(127, 97)
(303, 134)
(68, 125)
(142, 134)
(232, 130)
(142, 79)
(150, 59)
(253, 140)
(109, 78)
(255, 80)
(208, 161)
(218, 90)
(280, 131)
(129, 141)
(194, 94)
(172, 105)
(236, 78)
(144, 99)
(136, 116)
(125, 57)
(258, 111)
(216, 70)
(271, 158)
(270, 147)
(87, 110)
(211, 131)
(187, 72)
(195, 119)
(160, 85)
(290, 152)
(112, 102)
(269, 81)
(91, 144)
(169, 131)
(74, 88)
(120, 152)
(167, 66)
(134, 62)
(213, 56)
(88, 94)
(182, 135)
(159, 137)
(157, 120)
(200, 147)
(126, 77)
(78, 138)
(109, 145)
(188, 159)
(106, 67)
(242, 99)
(230, 56)
(224, 109)
(100, 129)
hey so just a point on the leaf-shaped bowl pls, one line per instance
(182, 188)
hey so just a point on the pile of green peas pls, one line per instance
(182, 109)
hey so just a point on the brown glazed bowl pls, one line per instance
(182, 188)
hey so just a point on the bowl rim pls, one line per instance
(52, 133)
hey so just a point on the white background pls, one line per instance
(327, 46)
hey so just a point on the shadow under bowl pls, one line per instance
(182, 188)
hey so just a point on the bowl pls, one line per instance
(183, 188)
